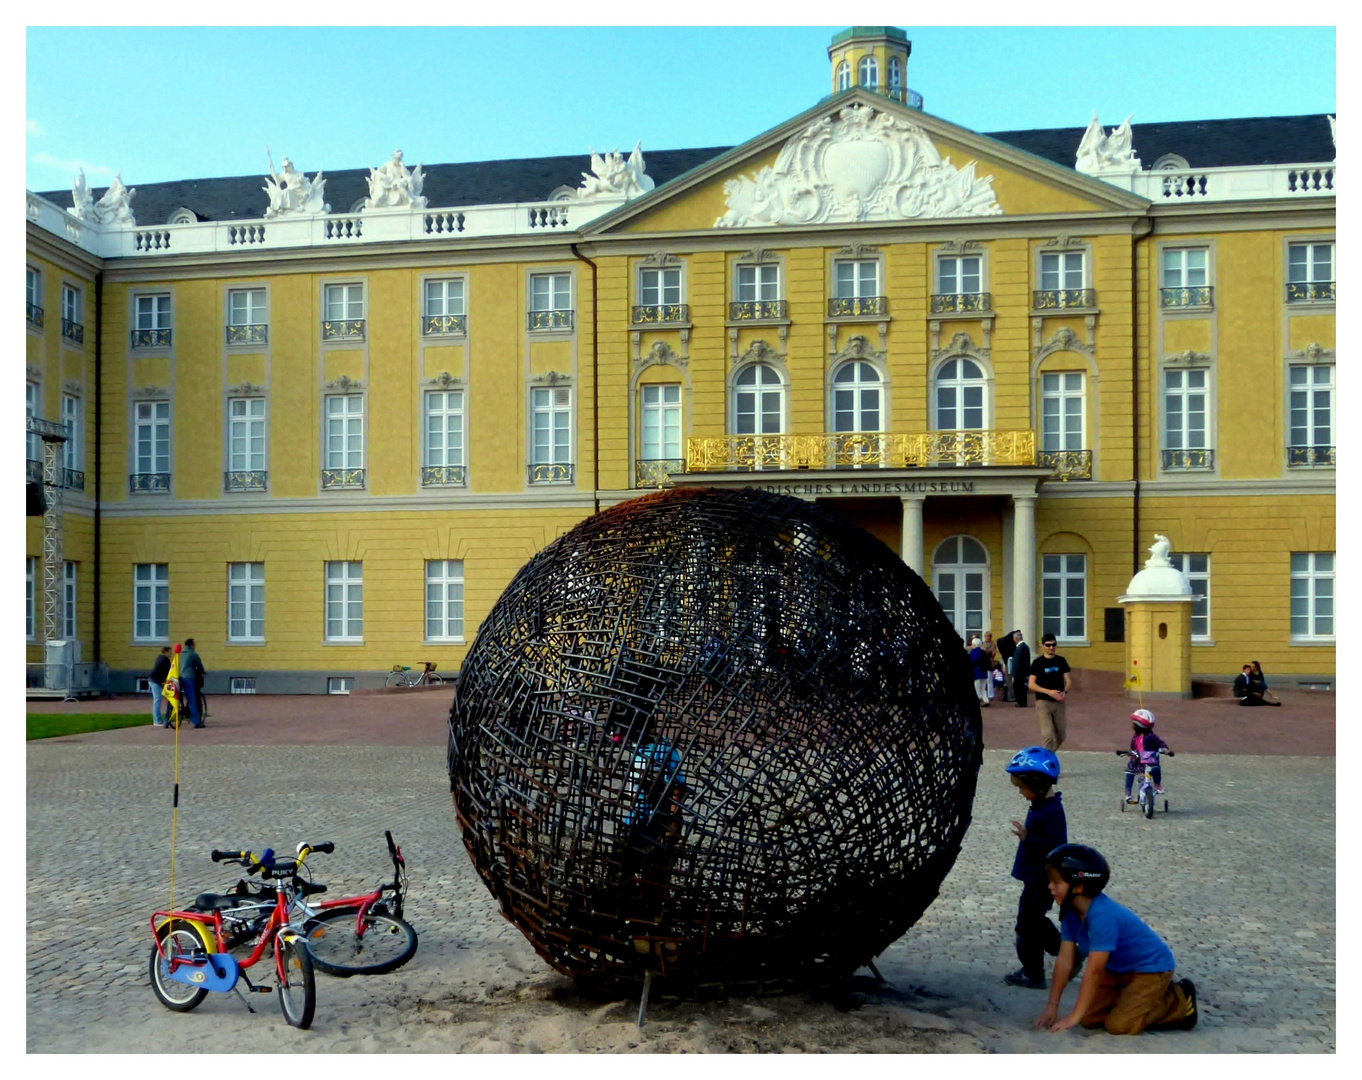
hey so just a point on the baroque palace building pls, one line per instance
(319, 426)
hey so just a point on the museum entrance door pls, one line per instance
(960, 579)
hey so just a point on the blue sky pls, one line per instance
(176, 103)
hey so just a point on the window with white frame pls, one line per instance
(843, 76)
(444, 600)
(33, 289)
(1312, 595)
(1185, 278)
(659, 287)
(152, 437)
(961, 396)
(1061, 270)
(246, 307)
(70, 304)
(759, 282)
(345, 601)
(758, 401)
(1064, 596)
(895, 73)
(71, 448)
(661, 422)
(1061, 410)
(246, 601)
(868, 72)
(30, 597)
(856, 278)
(68, 596)
(345, 431)
(35, 444)
(153, 312)
(956, 274)
(1311, 414)
(551, 425)
(345, 303)
(550, 292)
(856, 397)
(1197, 567)
(246, 434)
(444, 306)
(1309, 272)
(1185, 429)
(150, 602)
(444, 430)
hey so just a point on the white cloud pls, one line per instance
(71, 165)
(32, 127)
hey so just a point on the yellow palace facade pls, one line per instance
(318, 428)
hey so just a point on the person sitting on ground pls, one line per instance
(1034, 772)
(1241, 687)
(1258, 686)
(1128, 982)
(1144, 750)
(979, 661)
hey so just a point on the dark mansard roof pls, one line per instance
(1264, 140)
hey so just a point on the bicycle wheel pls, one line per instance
(338, 947)
(395, 680)
(1147, 800)
(180, 943)
(435, 680)
(298, 986)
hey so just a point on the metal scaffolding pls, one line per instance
(53, 436)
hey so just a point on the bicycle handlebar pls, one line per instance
(1136, 753)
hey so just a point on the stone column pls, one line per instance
(1024, 569)
(911, 548)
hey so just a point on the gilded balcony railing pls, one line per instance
(444, 475)
(842, 306)
(444, 324)
(343, 329)
(149, 481)
(1308, 457)
(151, 339)
(1051, 299)
(560, 319)
(945, 303)
(1195, 296)
(651, 314)
(657, 472)
(1305, 292)
(247, 333)
(832, 450)
(1067, 464)
(34, 314)
(245, 480)
(557, 472)
(73, 331)
(752, 310)
(1200, 458)
(342, 478)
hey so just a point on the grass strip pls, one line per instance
(52, 725)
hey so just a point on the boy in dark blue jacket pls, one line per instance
(1034, 772)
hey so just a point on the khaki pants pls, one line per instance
(1052, 723)
(1128, 1003)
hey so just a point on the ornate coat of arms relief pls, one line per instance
(861, 166)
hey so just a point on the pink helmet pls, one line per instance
(1143, 718)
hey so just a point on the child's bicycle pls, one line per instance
(1149, 794)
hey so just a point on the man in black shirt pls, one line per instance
(1050, 683)
(160, 671)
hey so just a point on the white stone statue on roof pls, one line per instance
(291, 192)
(82, 202)
(393, 184)
(115, 205)
(1102, 151)
(614, 175)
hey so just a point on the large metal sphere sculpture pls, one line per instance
(725, 737)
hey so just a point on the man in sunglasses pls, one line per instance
(1050, 683)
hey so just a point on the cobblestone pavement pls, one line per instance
(1217, 877)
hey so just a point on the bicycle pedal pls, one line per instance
(261, 989)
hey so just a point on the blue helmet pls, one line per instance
(1035, 759)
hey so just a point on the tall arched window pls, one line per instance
(843, 76)
(869, 72)
(856, 397)
(961, 396)
(895, 73)
(960, 579)
(758, 401)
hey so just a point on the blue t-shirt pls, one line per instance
(1115, 929)
(1046, 829)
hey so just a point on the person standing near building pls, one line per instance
(1006, 645)
(160, 671)
(1050, 683)
(191, 681)
(979, 662)
(1020, 669)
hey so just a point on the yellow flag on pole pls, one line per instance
(170, 690)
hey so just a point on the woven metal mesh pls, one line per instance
(723, 736)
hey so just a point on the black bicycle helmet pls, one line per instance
(1079, 864)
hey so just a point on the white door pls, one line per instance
(960, 579)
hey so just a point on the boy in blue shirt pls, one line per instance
(1128, 986)
(1034, 772)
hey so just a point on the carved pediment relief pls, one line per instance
(150, 393)
(444, 381)
(759, 352)
(1063, 242)
(72, 388)
(660, 353)
(859, 165)
(962, 345)
(34, 372)
(1065, 340)
(1314, 352)
(859, 348)
(552, 378)
(246, 389)
(659, 259)
(758, 255)
(858, 251)
(1188, 358)
(345, 384)
(959, 247)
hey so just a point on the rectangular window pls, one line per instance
(153, 437)
(242, 684)
(340, 684)
(246, 307)
(344, 601)
(550, 292)
(444, 311)
(444, 600)
(33, 287)
(30, 597)
(856, 279)
(1061, 270)
(68, 581)
(150, 602)
(1311, 415)
(70, 304)
(1310, 263)
(658, 287)
(552, 426)
(1184, 268)
(246, 435)
(153, 312)
(959, 275)
(345, 431)
(758, 283)
(444, 428)
(1312, 595)
(1198, 571)
(70, 416)
(35, 444)
(246, 601)
(661, 422)
(1185, 440)
(344, 303)
(1061, 410)
(1064, 596)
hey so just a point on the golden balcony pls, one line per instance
(873, 449)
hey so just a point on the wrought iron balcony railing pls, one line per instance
(1052, 299)
(1192, 297)
(343, 329)
(342, 478)
(560, 319)
(833, 450)
(652, 314)
(1067, 464)
(247, 333)
(1307, 292)
(1310, 457)
(33, 471)
(444, 475)
(73, 331)
(245, 480)
(73, 479)
(945, 303)
(558, 472)
(34, 314)
(657, 472)
(1201, 458)
(151, 339)
(842, 306)
(754, 310)
(444, 324)
(149, 482)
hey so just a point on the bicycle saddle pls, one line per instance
(207, 901)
